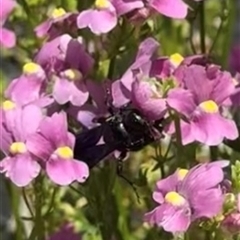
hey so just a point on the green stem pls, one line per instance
(51, 205)
(38, 231)
(202, 26)
(27, 202)
(15, 201)
(214, 153)
(111, 67)
(191, 37)
(179, 154)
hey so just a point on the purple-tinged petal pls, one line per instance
(30, 120)
(22, 122)
(50, 56)
(207, 203)
(210, 125)
(42, 29)
(223, 89)
(120, 94)
(124, 6)
(195, 79)
(7, 38)
(127, 79)
(79, 94)
(164, 186)
(153, 107)
(54, 129)
(40, 147)
(142, 62)
(98, 94)
(76, 56)
(188, 134)
(172, 219)
(66, 232)
(99, 21)
(176, 220)
(65, 171)
(6, 8)
(161, 68)
(62, 90)
(81, 170)
(147, 48)
(85, 115)
(44, 101)
(21, 169)
(202, 177)
(182, 101)
(170, 8)
(71, 140)
(24, 89)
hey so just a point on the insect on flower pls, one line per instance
(125, 130)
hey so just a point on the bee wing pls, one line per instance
(89, 138)
(93, 155)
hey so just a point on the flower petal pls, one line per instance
(202, 177)
(24, 89)
(40, 146)
(170, 8)
(182, 101)
(21, 169)
(64, 172)
(79, 93)
(206, 203)
(210, 124)
(170, 218)
(99, 21)
(54, 129)
(7, 38)
(125, 6)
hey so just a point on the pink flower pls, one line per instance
(17, 125)
(231, 223)
(29, 87)
(53, 145)
(170, 8)
(67, 63)
(55, 25)
(186, 196)
(7, 37)
(66, 232)
(100, 20)
(104, 16)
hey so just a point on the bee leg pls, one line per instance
(120, 173)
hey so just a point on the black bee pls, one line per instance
(125, 130)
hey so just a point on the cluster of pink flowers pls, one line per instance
(58, 85)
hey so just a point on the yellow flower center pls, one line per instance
(174, 198)
(30, 68)
(65, 152)
(101, 4)
(73, 74)
(8, 105)
(58, 12)
(18, 147)
(209, 106)
(182, 173)
(176, 59)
